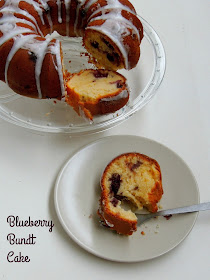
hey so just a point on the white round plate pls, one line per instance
(77, 193)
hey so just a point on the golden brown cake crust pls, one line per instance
(113, 189)
(116, 222)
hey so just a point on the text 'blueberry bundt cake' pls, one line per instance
(132, 177)
(96, 92)
(32, 64)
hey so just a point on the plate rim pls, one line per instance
(89, 249)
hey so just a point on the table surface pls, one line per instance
(178, 116)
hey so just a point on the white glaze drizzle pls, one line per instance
(110, 4)
(19, 42)
(108, 223)
(46, 7)
(58, 2)
(39, 49)
(10, 30)
(39, 10)
(36, 5)
(87, 4)
(50, 23)
(110, 7)
(55, 49)
(44, 4)
(90, 3)
(12, 19)
(79, 5)
(10, 10)
(116, 14)
(67, 6)
(122, 94)
(105, 220)
(39, 63)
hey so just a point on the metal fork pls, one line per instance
(187, 209)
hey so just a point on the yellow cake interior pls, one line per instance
(90, 87)
(135, 185)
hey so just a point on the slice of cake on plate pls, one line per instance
(132, 177)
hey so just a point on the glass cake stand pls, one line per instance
(55, 116)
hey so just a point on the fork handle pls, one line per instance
(186, 209)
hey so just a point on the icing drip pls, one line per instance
(116, 14)
(19, 42)
(44, 4)
(14, 20)
(67, 6)
(39, 62)
(111, 4)
(10, 30)
(50, 23)
(10, 10)
(39, 49)
(55, 49)
(90, 3)
(105, 220)
(79, 5)
(110, 7)
(46, 7)
(36, 5)
(123, 94)
(58, 2)
(38, 9)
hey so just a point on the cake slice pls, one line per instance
(133, 177)
(96, 92)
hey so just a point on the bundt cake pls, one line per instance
(32, 64)
(96, 92)
(132, 177)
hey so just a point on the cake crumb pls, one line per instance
(142, 233)
(49, 113)
(168, 217)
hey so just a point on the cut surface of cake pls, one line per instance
(96, 92)
(133, 177)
